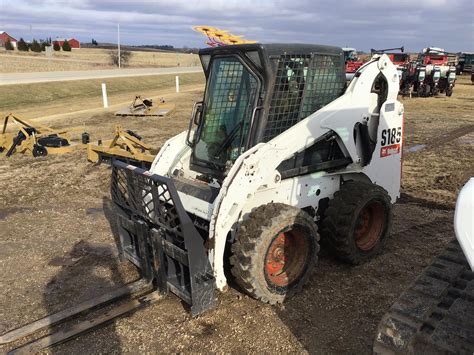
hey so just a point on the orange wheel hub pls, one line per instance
(286, 258)
(369, 226)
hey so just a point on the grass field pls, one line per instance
(36, 100)
(88, 59)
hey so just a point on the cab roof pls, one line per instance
(273, 49)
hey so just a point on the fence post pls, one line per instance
(104, 95)
(177, 83)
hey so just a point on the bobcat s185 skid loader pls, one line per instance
(277, 147)
(280, 151)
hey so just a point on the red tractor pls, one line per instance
(353, 63)
(434, 56)
(399, 59)
(440, 70)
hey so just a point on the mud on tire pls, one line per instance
(274, 252)
(357, 221)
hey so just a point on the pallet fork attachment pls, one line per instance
(149, 205)
(156, 235)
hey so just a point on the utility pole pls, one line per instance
(118, 43)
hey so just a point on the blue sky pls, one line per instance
(362, 24)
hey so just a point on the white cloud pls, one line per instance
(361, 23)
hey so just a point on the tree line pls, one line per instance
(37, 46)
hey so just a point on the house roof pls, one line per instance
(63, 39)
(4, 32)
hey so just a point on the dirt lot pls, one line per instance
(57, 246)
(88, 59)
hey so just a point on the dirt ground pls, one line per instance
(56, 245)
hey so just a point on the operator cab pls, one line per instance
(253, 93)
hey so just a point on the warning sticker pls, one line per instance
(389, 150)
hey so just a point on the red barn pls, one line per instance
(4, 37)
(74, 43)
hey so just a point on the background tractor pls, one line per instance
(466, 60)
(433, 76)
(434, 56)
(440, 71)
(352, 62)
(420, 84)
(447, 81)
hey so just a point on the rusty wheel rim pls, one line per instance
(369, 226)
(286, 258)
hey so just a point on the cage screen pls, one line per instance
(228, 108)
(303, 84)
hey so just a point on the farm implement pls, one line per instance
(125, 145)
(141, 107)
(32, 138)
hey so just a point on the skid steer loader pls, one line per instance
(280, 151)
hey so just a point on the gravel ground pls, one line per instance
(57, 247)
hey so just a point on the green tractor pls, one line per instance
(466, 60)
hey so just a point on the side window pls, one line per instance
(287, 94)
(304, 84)
(325, 154)
(326, 82)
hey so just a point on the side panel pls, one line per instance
(385, 166)
(301, 191)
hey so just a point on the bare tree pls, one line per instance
(124, 57)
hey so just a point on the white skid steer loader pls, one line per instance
(279, 146)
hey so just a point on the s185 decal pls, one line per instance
(391, 136)
(391, 141)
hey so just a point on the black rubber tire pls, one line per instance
(53, 141)
(427, 92)
(342, 215)
(39, 151)
(252, 243)
(449, 92)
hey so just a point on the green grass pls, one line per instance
(62, 93)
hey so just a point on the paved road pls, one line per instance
(40, 77)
